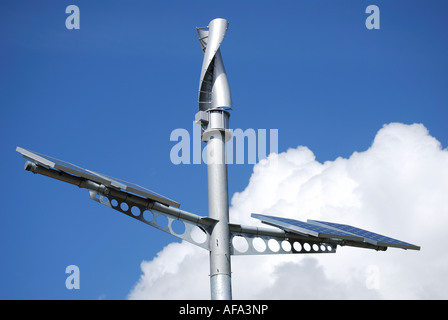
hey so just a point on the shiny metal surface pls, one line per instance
(214, 90)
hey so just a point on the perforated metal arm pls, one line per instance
(250, 240)
(190, 227)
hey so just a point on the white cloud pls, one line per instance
(398, 187)
(180, 271)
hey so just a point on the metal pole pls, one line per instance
(214, 100)
(220, 270)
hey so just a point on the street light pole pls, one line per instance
(214, 101)
(218, 205)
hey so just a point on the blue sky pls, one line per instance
(107, 96)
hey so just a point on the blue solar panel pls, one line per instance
(54, 163)
(50, 162)
(369, 237)
(304, 228)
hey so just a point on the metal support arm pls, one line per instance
(179, 223)
(249, 240)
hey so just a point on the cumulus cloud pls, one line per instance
(398, 187)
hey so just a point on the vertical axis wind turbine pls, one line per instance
(216, 233)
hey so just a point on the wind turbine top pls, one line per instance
(214, 90)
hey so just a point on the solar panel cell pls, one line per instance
(304, 228)
(369, 237)
(50, 162)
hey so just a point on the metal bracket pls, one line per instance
(245, 240)
(261, 245)
(195, 232)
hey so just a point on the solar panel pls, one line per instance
(50, 162)
(304, 228)
(368, 236)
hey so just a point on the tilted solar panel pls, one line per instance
(50, 162)
(368, 236)
(304, 228)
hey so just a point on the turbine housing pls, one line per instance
(214, 90)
